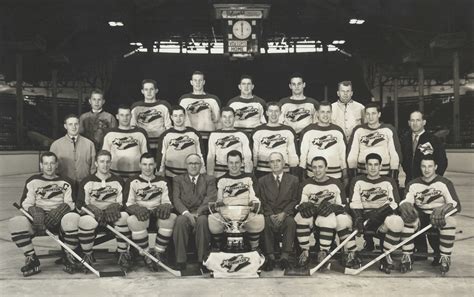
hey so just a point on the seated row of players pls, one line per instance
(144, 200)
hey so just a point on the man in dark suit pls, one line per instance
(192, 193)
(419, 143)
(278, 192)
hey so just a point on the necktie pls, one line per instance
(74, 141)
(194, 184)
(278, 181)
(415, 143)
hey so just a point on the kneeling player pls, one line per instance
(321, 205)
(48, 198)
(236, 188)
(146, 198)
(374, 198)
(431, 197)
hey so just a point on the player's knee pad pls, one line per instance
(168, 223)
(394, 223)
(255, 224)
(70, 221)
(326, 222)
(215, 224)
(450, 222)
(123, 218)
(136, 225)
(303, 221)
(19, 224)
(87, 222)
(344, 221)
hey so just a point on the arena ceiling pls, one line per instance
(396, 33)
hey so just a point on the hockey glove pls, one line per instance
(307, 209)
(408, 212)
(377, 216)
(325, 209)
(438, 216)
(337, 209)
(140, 212)
(163, 211)
(38, 215)
(358, 219)
(97, 212)
(112, 213)
(53, 218)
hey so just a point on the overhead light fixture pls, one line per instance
(115, 24)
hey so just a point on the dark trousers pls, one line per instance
(181, 232)
(287, 229)
(420, 240)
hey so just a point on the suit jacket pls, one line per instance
(427, 144)
(276, 200)
(186, 197)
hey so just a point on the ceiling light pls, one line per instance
(115, 24)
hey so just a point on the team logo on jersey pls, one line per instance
(426, 148)
(298, 114)
(273, 141)
(182, 142)
(235, 263)
(104, 193)
(321, 196)
(51, 191)
(149, 192)
(246, 112)
(149, 116)
(372, 139)
(227, 141)
(197, 106)
(427, 196)
(325, 141)
(235, 189)
(124, 143)
(375, 194)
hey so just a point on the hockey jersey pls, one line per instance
(100, 193)
(298, 114)
(249, 113)
(47, 193)
(174, 147)
(146, 193)
(222, 142)
(153, 117)
(236, 190)
(202, 112)
(316, 192)
(235, 265)
(382, 140)
(328, 142)
(369, 194)
(267, 140)
(126, 147)
(430, 195)
(94, 125)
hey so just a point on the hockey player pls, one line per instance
(298, 111)
(176, 143)
(147, 201)
(273, 137)
(236, 188)
(126, 144)
(346, 112)
(102, 194)
(225, 140)
(326, 140)
(151, 114)
(429, 198)
(322, 205)
(202, 109)
(48, 199)
(375, 198)
(95, 123)
(249, 108)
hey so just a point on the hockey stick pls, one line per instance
(141, 250)
(70, 251)
(427, 227)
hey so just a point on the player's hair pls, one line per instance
(272, 103)
(197, 72)
(177, 107)
(245, 76)
(48, 154)
(103, 153)
(345, 83)
(372, 156)
(325, 103)
(420, 112)
(192, 154)
(372, 105)
(296, 75)
(71, 115)
(319, 158)
(234, 153)
(123, 106)
(429, 157)
(97, 91)
(147, 156)
(149, 81)
(227, 108)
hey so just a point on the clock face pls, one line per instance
(242, 29)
